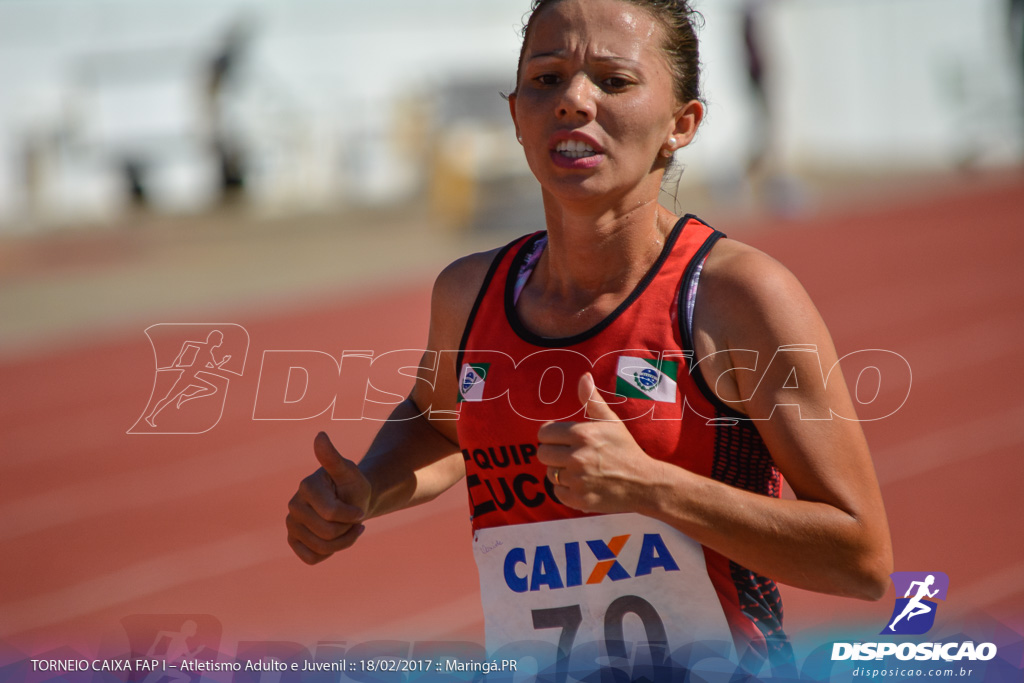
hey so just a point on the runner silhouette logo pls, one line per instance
(167, 643)
(914, 613)
(194, 364)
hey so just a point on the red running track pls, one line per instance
(97, 525)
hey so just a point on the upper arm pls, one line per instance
(454, 294)
(777, 355)
(415, 455)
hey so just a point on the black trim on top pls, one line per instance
(498, 258)
(685, 332)
(555, 342)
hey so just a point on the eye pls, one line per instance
(547, 79)
(616, 83)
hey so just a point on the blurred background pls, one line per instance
(304, 168)
(312, 105)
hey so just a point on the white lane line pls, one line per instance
(144, 578)
(920, 301)
(198, 563)
(453, 617)
(989, 590)
(119, 492)
(954, 443)
(964, 347)
(133, 491)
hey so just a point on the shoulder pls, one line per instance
(752, 295)
(463, 271)
(749, 307)
(740, 270)
(454, 294)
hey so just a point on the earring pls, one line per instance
(520, 138)
(667, 153)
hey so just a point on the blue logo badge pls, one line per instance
(647, 379)
(914, 613)
(469, 380)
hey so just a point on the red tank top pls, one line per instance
(511, 381)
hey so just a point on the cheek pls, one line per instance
(530, 106)
(633, 123)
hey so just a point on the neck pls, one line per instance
(599, 252)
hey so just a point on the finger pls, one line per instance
(304, 553)
(556, 433)
(341, 469)
(557, 476)
(320, 492)
(554, 455)
(319, 546)
(568, 498)
(596, 407)
(302, 513)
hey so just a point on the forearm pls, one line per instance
(802, 543)
(409, 462)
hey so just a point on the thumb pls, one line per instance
(340, 469)
(596, 407)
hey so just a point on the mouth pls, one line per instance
(575, 149)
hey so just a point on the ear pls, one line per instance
(687, 120)
(512, 110)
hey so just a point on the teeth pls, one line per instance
(574, 149)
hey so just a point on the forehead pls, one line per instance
(601, 28)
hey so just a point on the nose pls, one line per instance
(577, 99)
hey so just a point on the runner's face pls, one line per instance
(595, 105)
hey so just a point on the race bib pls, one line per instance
(609, 584)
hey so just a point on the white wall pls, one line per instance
(867, 84)
(907, 82)
(859, 83)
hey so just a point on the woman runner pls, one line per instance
(629, 386)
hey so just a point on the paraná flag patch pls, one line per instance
(472, 380)
(649, 379)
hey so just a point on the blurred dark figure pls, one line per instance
(754, 53)
(134, 170)
(222, 70)
(782, 191)
(1016, 12)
